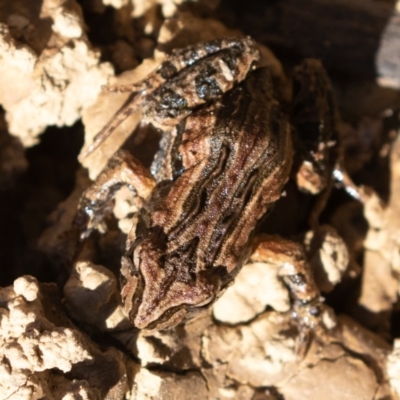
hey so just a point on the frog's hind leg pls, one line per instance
(184, 57)
(122, 170)
(293, 268)
(114, 122)
(147, 85)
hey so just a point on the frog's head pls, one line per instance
(160, 292)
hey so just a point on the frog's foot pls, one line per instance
(308, 314)
(122, 170)
(315, 322)
(89, 217)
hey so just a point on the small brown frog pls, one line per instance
(225, 156)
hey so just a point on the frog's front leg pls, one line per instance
(122, 170)
(294, 269)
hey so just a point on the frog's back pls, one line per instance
(236, 157)
(195, 232)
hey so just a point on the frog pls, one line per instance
(226, 154)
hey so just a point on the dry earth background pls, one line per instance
(63, 333)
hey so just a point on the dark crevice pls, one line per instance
(24, 208)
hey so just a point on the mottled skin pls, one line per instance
(217, 173)
(196, 234)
